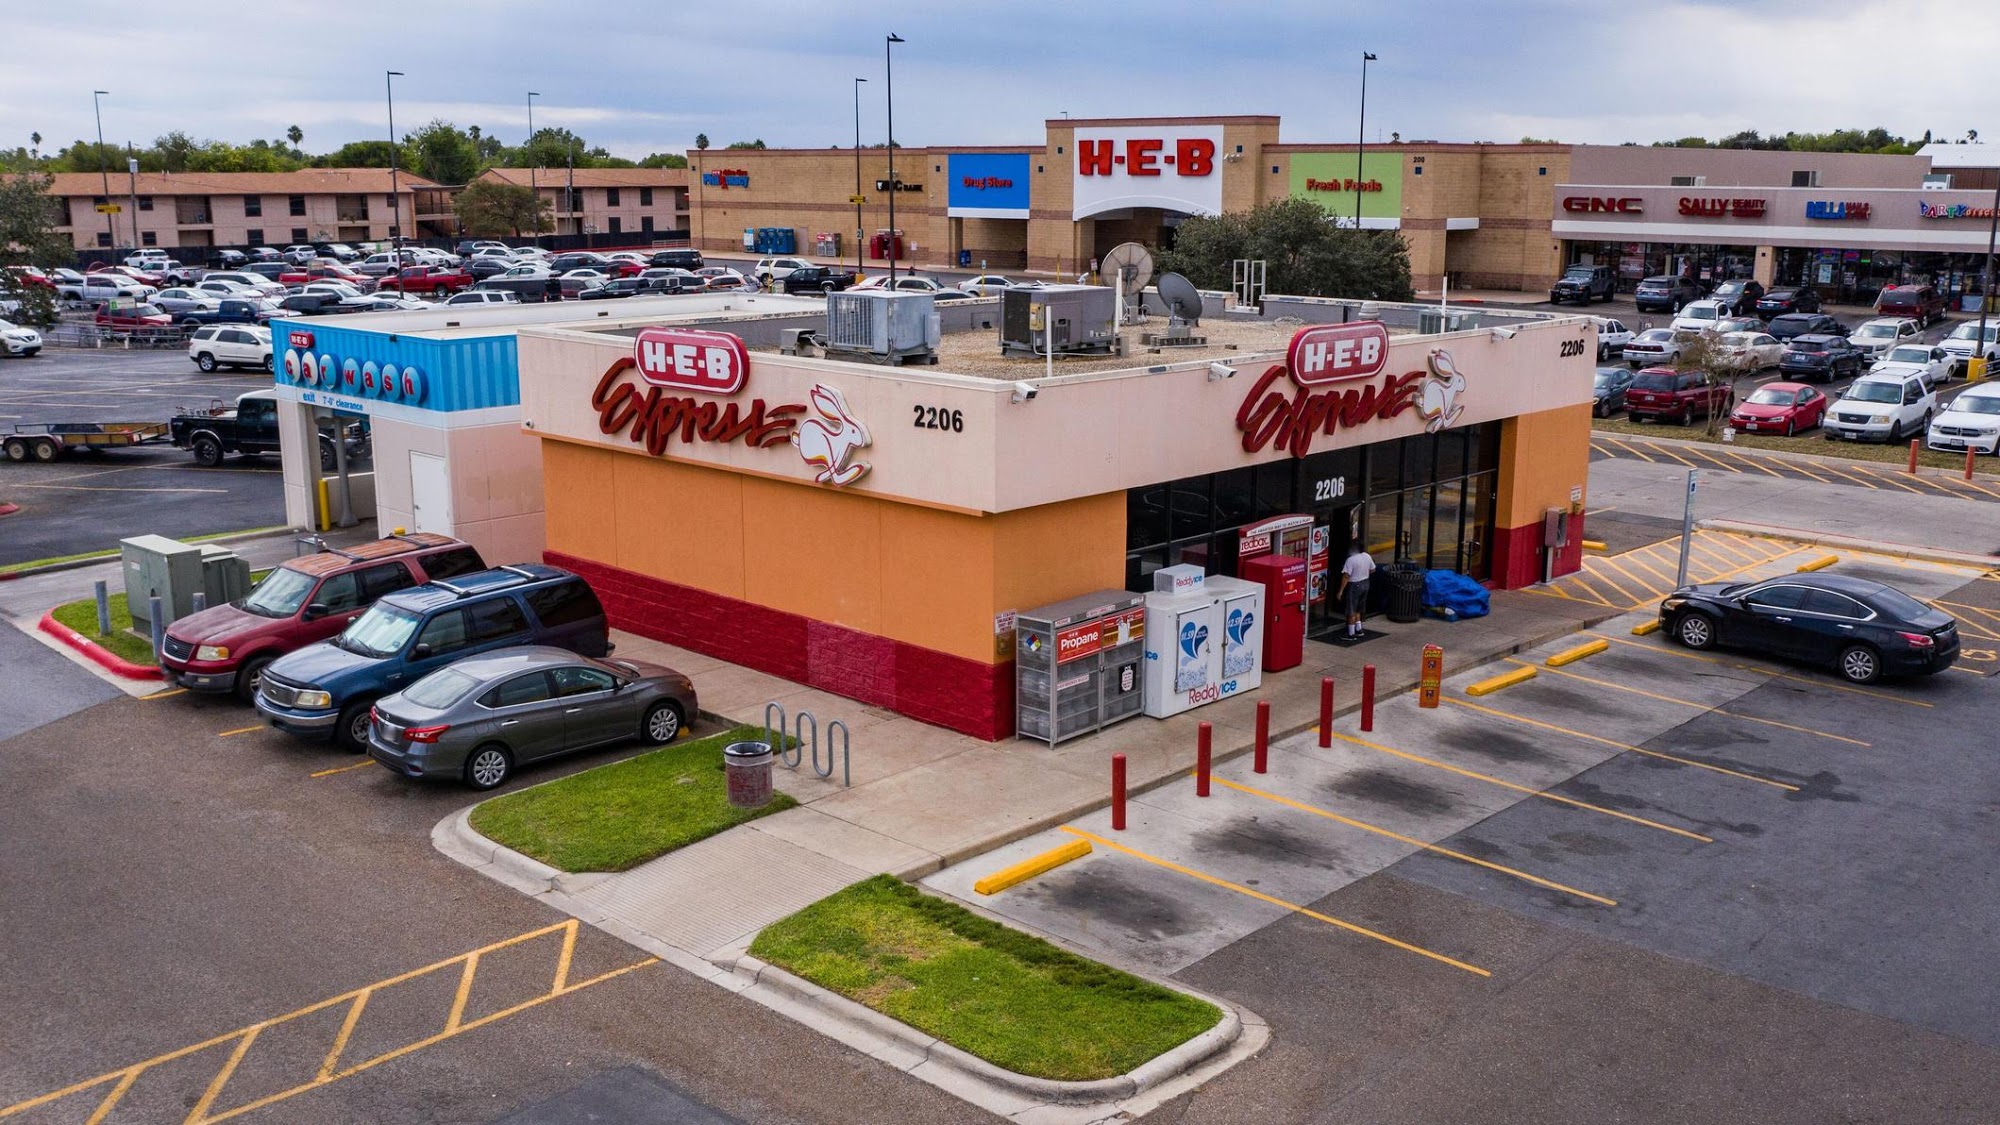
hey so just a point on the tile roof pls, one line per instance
(594, 177)
(308, 181)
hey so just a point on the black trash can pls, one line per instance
(1406, 592)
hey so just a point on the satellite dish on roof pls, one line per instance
(1130, 267)
(1182, 298)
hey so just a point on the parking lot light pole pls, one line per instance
(395, 192)
(1687, 532)
(104, 168)
(528, 150)
(889, 82)
(1986, 284)
(1361, 136)
(857, 176)
(132, 170)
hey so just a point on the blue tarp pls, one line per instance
(1451, 595)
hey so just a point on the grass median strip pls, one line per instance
(81, 615)
(112, 552)
(1008, 997)
(616, 817)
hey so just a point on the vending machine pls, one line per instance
(1283, 578)
(1183, 668)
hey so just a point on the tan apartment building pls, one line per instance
(646, 202)
(1479, 214)
(189, 210)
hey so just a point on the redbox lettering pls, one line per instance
(692, 359)
(1330, 353)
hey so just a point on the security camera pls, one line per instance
(1023, 392)
(1503, 333)
(1219, 370)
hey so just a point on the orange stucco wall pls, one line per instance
(1542, 456)
(919, 575)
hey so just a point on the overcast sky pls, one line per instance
(639, 77)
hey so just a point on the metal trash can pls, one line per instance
(747, 769)
(1405, 602)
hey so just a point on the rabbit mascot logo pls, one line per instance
(828, 442)
(1437, 399)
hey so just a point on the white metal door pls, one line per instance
(430, 494)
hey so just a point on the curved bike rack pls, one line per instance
(792, 746)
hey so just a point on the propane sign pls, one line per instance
(1169, 167)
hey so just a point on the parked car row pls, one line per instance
(412, 650)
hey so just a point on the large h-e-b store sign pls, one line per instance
(1172, 168)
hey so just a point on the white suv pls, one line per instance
(1959, 346)
(1886, 407)
(778, 269)
(230, 345)
(1876, 336)
(484, 297)
(1701, 316)
(1970, 421)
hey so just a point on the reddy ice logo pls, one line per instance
(1239, 625)
(1193, 638)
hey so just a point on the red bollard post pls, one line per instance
(1202, 758)
(1969, 454)
(1367, 697)
(1262, 758)
(1913, 454)
(1118, 792)
(1326, 711)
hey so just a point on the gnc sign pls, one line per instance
(1600, 205)
(1330, 353)
(691, 359)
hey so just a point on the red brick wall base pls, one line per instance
(1517, 554)
(964, 695)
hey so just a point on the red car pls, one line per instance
(29, 276)
(225, 647)
(313, 273)
(426, 279)
(1662, 394)
(140, 276)
(1780, 408)
(114, 315)
(1920, 303)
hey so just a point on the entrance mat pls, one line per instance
(1340, 637)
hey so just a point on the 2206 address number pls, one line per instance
(939, 418)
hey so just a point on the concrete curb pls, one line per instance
(1786, 454)
(97, 654)
(1853, 543)
(9, 509)
(1236, 1036)
(96, 560)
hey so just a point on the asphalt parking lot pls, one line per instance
(1715, 886)
(86, 502)
(208, 921)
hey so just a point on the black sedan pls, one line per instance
(1820, 358)
(1607, 392)
(615, 287)
(1863, 630)
(1790, 299)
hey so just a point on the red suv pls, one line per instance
(1920, 303)
(1662, 393)
(304, 600)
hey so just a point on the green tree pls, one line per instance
(1701, 353)
(1303, 251)
(28, 237)
(492, 208)
(295, 135)
(361, 154)
(701, 141)
(443, 153)
(664, 160)
(758, 143)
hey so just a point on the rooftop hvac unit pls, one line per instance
(1066, 318)
(1430, 322)
(882, 327)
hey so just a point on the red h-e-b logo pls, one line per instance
(691, 359)
(1333, 353)
(1192, 156)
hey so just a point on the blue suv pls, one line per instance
(327, 689)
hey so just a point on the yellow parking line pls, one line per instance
(1665, 452)
(1542, 793)
(1840, 472)
(1716, 461)
(1661, 582)
(1704, 707)
(344, 769)
(1756, 463)
(169, 694)
(1799, 467)
(237, 731)
(1274, 901)
(1413, 842)
(1612, 742)
(1956, 482)
(1724, 548)
(1973, 608)
(1581, 579)
(1881, 478)
(1630, 448)
(1816, 681)
(1617, 588)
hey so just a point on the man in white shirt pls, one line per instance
(1354, 576)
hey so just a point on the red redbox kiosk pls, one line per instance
(1284, 580)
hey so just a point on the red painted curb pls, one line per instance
(109, 660)
(9, 509)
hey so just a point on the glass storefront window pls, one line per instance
(1451, 462)
(1445, 512)
(1385, 468)
(1478, 536)
(1146, 517)
(1235, 498)
(1188, 500)
(1380, 528)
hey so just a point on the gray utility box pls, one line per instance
(882, 327)
(156, 566)
(1077, 665)
(173, 571)
(1068, 318)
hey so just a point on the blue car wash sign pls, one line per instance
(988, 185)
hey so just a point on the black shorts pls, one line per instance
(1357, 597)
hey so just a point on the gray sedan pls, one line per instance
(477, 719)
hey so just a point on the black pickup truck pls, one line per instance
(817, 279)
(232, 310)
(250, 428)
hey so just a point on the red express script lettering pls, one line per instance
(1268, 416)
(656, 417)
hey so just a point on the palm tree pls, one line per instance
(295, 135)
(701, 141)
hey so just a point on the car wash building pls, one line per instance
(874, 531)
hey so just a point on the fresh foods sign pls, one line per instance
(1174, 168)
(1323, 366)
(709, 367)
